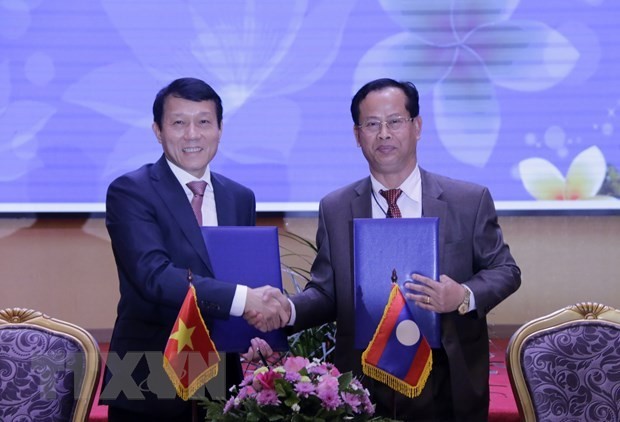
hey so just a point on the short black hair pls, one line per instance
(413, 98)
(189, 89)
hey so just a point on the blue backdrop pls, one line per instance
(521, 96)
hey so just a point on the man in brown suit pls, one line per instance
(478, 271)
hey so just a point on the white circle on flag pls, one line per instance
(407, 332)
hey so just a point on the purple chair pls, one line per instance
(49, 369)
(566, 366)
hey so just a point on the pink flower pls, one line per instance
(333, 370)
(247, 380)
(266, 380)
(292, 376)
(328, 382)
(327, 391)
(267, 397)
(352, 400)
(329, 399)
(295, 364)
(246, 392)
(368, 406)
(304, 389)
(229, 404)
(320, 369)
(357, 385)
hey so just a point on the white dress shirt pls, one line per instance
(209, 218)
(409, 202)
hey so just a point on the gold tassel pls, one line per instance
(396, 383)
(186, 393)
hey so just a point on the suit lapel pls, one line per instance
(173, 196)
(224, 202)
(432, 206)
(361, 207)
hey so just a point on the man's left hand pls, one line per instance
(441, 296)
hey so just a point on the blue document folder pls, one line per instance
(382, 246)
(246, 255)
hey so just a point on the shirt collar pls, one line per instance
(184, 177)
(411, 186)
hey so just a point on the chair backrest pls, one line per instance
(49, 369)
(566, 366)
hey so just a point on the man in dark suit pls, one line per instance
(156, 240)
(478, 271)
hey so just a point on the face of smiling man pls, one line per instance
(391, 154)
(189, 133)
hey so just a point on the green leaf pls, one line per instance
(344, 380)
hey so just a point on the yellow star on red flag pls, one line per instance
(183, 336)
(190, 358)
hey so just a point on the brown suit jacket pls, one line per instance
(471, 250)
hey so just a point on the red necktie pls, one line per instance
(391, 196)
(198, 189)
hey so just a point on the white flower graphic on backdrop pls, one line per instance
(240, 50)
(460, 51)
(583, 180)
(15, 17)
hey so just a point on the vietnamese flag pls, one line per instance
(398, 354)
(190, 358)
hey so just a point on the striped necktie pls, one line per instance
(198, 189)
(391, 196)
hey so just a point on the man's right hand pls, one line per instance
(267, 308)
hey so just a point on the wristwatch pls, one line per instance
(464, 306)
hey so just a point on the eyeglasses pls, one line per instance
(373, 126)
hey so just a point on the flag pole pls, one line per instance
(190, 277)
(194, 411)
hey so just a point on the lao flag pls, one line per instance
(398, 355)
(190, 358)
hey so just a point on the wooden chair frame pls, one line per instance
(18, 317)
(580, 312)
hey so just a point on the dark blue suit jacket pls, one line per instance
(155, 240)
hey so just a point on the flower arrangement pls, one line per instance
(297, 390)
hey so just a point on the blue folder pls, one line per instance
(246, 255)
(382, 246)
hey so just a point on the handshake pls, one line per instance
(267, 308)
